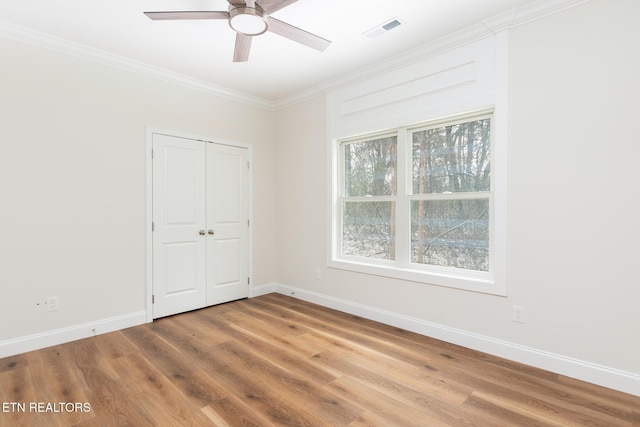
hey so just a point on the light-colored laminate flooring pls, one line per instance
(276, 360)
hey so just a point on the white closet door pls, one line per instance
(227, 223)
(179, 239)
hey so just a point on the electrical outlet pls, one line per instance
(318, 275)
(518, 314)
(52, 303)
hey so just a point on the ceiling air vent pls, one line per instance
(383, 28)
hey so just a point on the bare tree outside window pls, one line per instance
(448, 162)
(370, 185)
(444, 211)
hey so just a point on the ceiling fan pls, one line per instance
(249, 18)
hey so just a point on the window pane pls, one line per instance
(370, 167)
(368, 229)
(451, 233)
(452, 158)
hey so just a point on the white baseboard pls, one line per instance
(616, 379)
(72, 333)
(267, 288)
(626, 382)
(37, 341)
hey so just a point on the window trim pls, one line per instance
(341, 198)
(491, 282)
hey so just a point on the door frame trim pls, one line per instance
(150, 131)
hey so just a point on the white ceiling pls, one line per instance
(277, 68)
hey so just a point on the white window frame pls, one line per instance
(493, 281)
(366, 199)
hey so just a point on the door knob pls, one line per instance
(211, 232)
(201, 232)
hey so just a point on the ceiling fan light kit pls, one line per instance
(249, 18)
(249, 21)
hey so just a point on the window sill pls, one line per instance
(481, 282)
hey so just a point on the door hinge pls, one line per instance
(153, 226)
(248, 223)
(248, 165)
(152, 154)
(248, 281)
(153, 299)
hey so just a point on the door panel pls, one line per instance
(181, 178)
(227, 181)
(180, 267)
(227, 217)
(179, 251)
(227, 264)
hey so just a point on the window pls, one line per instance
(451, 184)
(369, 202)
(417, 203)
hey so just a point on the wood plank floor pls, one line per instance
(275, 360)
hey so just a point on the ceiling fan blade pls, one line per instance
(271, 6)
(187, 15)
(298, 35)
(243, 45)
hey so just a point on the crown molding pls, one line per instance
(47, 41)
(528, 13)
(488, 27)
(299, 97)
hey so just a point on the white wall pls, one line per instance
(574, 232)
(572, 202)
(72, 184)
(72, 198)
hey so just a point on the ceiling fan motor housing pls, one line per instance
(250, 21)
